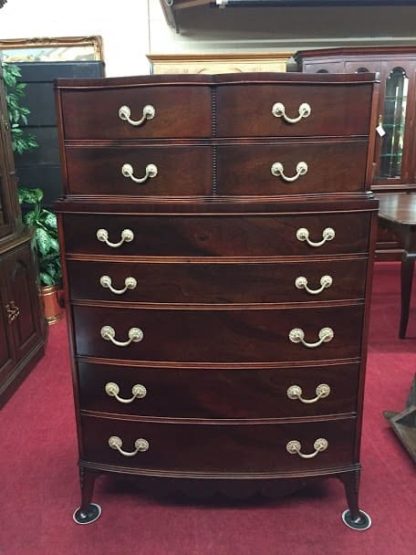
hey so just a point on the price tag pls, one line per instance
(380, 130)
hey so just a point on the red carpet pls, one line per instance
(39, 481)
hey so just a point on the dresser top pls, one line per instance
(221, 79)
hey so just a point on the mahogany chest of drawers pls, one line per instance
(217, 237)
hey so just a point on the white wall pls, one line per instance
(123, 25)
(133, 28)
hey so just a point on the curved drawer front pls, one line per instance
(335, 110)
(213, 448)
(179, 111)
(140, 171)
(238, 235)
(218, 336)
(291, 168)
(211, 393)
(199, 282)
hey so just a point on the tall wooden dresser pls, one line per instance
(218, 237)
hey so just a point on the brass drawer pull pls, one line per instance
(302, 283)
(279, 111)
(124, 114)
(294, 448)
(129, 283)
(294, 392)
(126, 237)
(150, 172)
(297, 335)
(302, 234)
(278, 170)
(135, 336)
(141, 445)
(138, 391)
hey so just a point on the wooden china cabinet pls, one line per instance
(21, 322)
(395, 160)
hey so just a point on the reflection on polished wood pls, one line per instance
(398, 212)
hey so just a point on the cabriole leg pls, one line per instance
(88, 512)
(353, 517)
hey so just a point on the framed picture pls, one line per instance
(219, 63)
(54, 49)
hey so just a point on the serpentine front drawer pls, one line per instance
(239, 392)
(238, 235)
(286, 110)
(192, 448)
(233, 335)
(288, 168)
(142, 111)
(197, 281)
(140, 170)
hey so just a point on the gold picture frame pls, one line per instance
(52, 49)
(219, 63)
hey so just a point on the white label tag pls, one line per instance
(380, 130)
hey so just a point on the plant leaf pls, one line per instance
(49, 219)
(43, 241)
(30, 196)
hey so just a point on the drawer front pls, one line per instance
(337, 110)
(179, 111)
(199, 282)
(213, 448)
(291, 168)
(218, 335)
(175, 170)
(218, 235)
(211, 393)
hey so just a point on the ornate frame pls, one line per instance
(96, 42)
(219, 63)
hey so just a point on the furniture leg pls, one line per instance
(353, 517)
(407, 269)
(88, 512)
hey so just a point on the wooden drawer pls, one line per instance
(336, 110)
(180, 111)
(180, 170)
(219, 283)
(279, 168)
(213, 448)
(218, 335)
(237, 235)
(213, 393)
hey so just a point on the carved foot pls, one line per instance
(91, 514)
(363, 522)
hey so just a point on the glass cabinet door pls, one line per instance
(394, 116)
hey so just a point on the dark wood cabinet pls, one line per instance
(22, 328)
(394, 164)
(218, 319)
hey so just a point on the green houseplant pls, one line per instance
(45, 228)
(21, 139)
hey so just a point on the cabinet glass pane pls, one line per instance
(395, 103)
